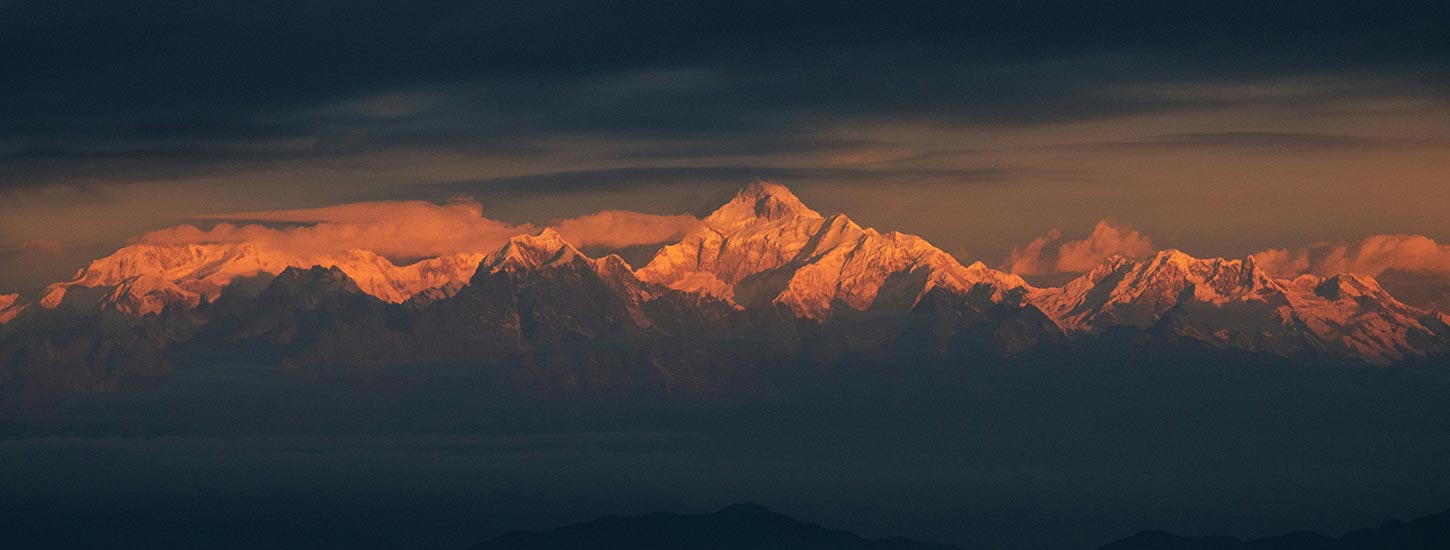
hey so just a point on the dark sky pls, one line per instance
(1220, 127)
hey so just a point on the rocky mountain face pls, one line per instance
(763, 280)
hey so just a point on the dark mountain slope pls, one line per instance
(1427, 533)
(736, 527)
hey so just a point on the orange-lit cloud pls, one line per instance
(397, 229)
(621, 228)
(1372, 256)
(415, 229)
(1050, 254)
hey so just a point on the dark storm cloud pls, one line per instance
(201, 83)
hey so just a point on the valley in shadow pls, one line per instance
(1047, 452)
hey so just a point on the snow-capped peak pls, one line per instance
(547, 248)
(1233, 303)
(1121, 291)
(761, 200)
(145, 278)
(613, 265)
(765, 246)
(867, 269)
(762, 228)
(1348, 284)
(380, 277)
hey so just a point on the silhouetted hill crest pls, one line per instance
(744, 526)
(1427, 533)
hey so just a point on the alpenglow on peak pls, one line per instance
(761, 200)
(767, 247)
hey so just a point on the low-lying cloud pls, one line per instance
(622, 228)
(415, 229)
(1372, 256)
(1050, 254)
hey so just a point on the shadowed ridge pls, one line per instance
(1427, 533)
(312, 315)
(297, 280)
(735, 527)
(1159, 540)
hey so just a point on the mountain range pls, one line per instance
(763, 268)
(742, 526)
(736, 526)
